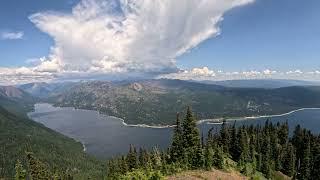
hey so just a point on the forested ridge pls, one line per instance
(24, 141)
(255, 151)
(155, 102)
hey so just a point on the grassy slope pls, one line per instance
(208, 175)
(19, 134)
(221, 175)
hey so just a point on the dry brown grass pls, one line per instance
(208, 175)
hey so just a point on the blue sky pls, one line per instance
(274, 35)
(14, 17)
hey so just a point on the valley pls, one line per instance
(78, 123)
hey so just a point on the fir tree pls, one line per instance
(218, 158)
(266, 159)
(176, 150)
(132, 158)
(235, 147)
(123, 165)
(289, 161)
(316, 161)
(190, 131)
(283, 133)
(20, 172)
(244, 146)
(305, 168)
(191, 141)
(156, 158)
(208, 157)
(225, 137)
(37, 169)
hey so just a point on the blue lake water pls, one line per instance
(105, 136)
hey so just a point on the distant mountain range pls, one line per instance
(262, 83)
(156, 102)
(43, 90)
(15, 99)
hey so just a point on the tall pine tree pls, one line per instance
(176, 149)
(191, 140)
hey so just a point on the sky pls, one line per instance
(187, 39)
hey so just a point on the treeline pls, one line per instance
(37, 170)
(248, 149)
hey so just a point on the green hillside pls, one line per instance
(19, 135)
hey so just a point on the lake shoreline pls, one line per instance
(210, 121)
(215, 120)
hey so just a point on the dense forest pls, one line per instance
(255, 151)
(24, 141)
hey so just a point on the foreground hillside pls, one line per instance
(208, 175)
(19, 135)
(155, 102)
(216, 174)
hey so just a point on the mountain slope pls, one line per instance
(156, 102)
(19, 135)
(16, 100)
(43, 90)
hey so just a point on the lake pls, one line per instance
(104, 136)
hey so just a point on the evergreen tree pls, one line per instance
(305, 168)
(283, 133)
(176, 150)
(191, 141)
(266, 158)
(156, 158)
(235, 146)
(190, 131)
(316, 161)
(123, 165)
(142, 157)
(225, 137)
(218, 158)
(21, 173)
(37, 169)
(244, 146)
(113, 169)
(132, 158)
(198, 159)
(208, 157)
(289, 161)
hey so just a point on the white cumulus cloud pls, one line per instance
(205, 73)
(112, 36)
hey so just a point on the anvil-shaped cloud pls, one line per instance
(127, 37)
(115, 36)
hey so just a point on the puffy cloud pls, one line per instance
(194, 74)
(269, 72)
(11, 76)
(112, 36)
(12, 35)
(209, 74)
(126, 36)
